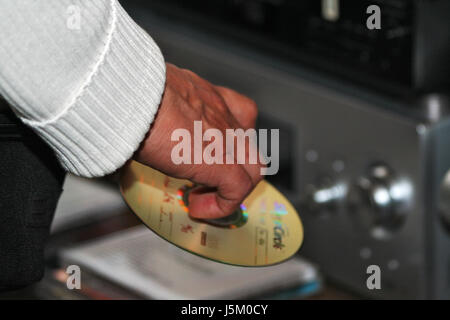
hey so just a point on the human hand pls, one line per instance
(188, 98)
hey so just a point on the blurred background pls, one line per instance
(364, 154)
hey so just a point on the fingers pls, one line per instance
(253, 169)
(243, 108)
(245, 111)
(233, 184)
(190, 98)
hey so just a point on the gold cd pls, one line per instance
(266, 230)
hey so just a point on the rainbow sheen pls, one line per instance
(279, 209)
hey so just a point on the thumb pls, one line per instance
(220, 201)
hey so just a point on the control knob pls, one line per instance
(325, 197)
(380, 200)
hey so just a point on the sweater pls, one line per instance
(83, 76)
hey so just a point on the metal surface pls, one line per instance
(340, 133)
(381, 201)
(444, 203)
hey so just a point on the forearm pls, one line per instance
(92, 92)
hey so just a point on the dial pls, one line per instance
(325, 196)
(381, 200)
(444, 201)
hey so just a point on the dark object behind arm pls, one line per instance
(30, 185)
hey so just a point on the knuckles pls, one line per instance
(247, 186)
(252, 109)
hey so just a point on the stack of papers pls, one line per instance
(138, 260)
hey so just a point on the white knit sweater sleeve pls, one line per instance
(83, 75)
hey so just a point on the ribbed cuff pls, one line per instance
(106, 123)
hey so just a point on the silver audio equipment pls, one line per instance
(368, 173)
